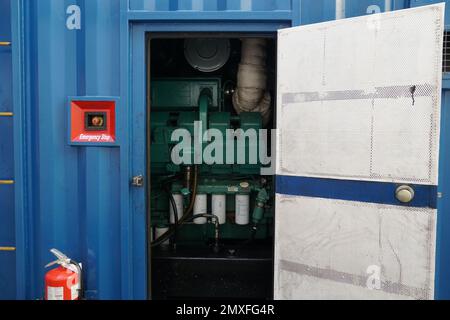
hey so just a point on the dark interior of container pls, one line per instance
(206, 260)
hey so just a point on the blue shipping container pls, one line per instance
(79, 199)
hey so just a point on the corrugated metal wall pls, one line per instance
(76, 207)
(78, 198)
(210, 5)
(7, 225)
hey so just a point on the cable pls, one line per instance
(166, 236)
(194, 194)
(163, 238)
(175, 213)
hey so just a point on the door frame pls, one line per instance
(135, 97)
(133, 31)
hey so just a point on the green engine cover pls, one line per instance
(183, 94)
(176, 104)
(163, 125)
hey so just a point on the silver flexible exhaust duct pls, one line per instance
(251, 94)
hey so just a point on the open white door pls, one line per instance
(358, 117)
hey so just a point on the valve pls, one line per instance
(61, 260)
(261, 200)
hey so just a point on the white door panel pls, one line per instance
(326, 147)
(358, 104)
(367, 65)
(340, 241)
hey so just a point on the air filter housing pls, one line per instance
(207, 55)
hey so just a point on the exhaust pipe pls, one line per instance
(251, 94)
(340, 9)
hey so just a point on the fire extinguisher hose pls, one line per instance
(80, 279)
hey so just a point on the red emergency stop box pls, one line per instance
(92, 121)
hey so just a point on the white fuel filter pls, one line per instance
(218, 204)
(242, 209)
(201, 207)
(159, 231)
(179, 205)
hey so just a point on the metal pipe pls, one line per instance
(186, 217)
(340, 9)
(193, 195)
(387, 5)
(5, 44)
(6, 114)
(164, 237)
(203, 104)
(188, 177)
(251, 94)
(216, 221)
(6, 182)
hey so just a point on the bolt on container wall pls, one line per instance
(77, 198)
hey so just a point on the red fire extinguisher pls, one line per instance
(65, 281)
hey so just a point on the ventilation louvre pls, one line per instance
(446, 57)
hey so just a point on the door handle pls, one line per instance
(404, 194)
(138, 181)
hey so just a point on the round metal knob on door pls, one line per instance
(404, 194)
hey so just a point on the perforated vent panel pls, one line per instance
(361, 101)
(446, 56)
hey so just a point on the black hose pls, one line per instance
(169, 233)
(175, 212)
(185, 216)
(194, 195)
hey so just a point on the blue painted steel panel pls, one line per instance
(313, 11)
(210, 5)
(7, 235)
(417, 3)
(78, 199)
(7, 222)
(57, 216)
(138, 163)
(6, 72)
(6, 149)
(7, 274)
(103, 167)
(443, 219)
(7, 238)
(356, 8)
